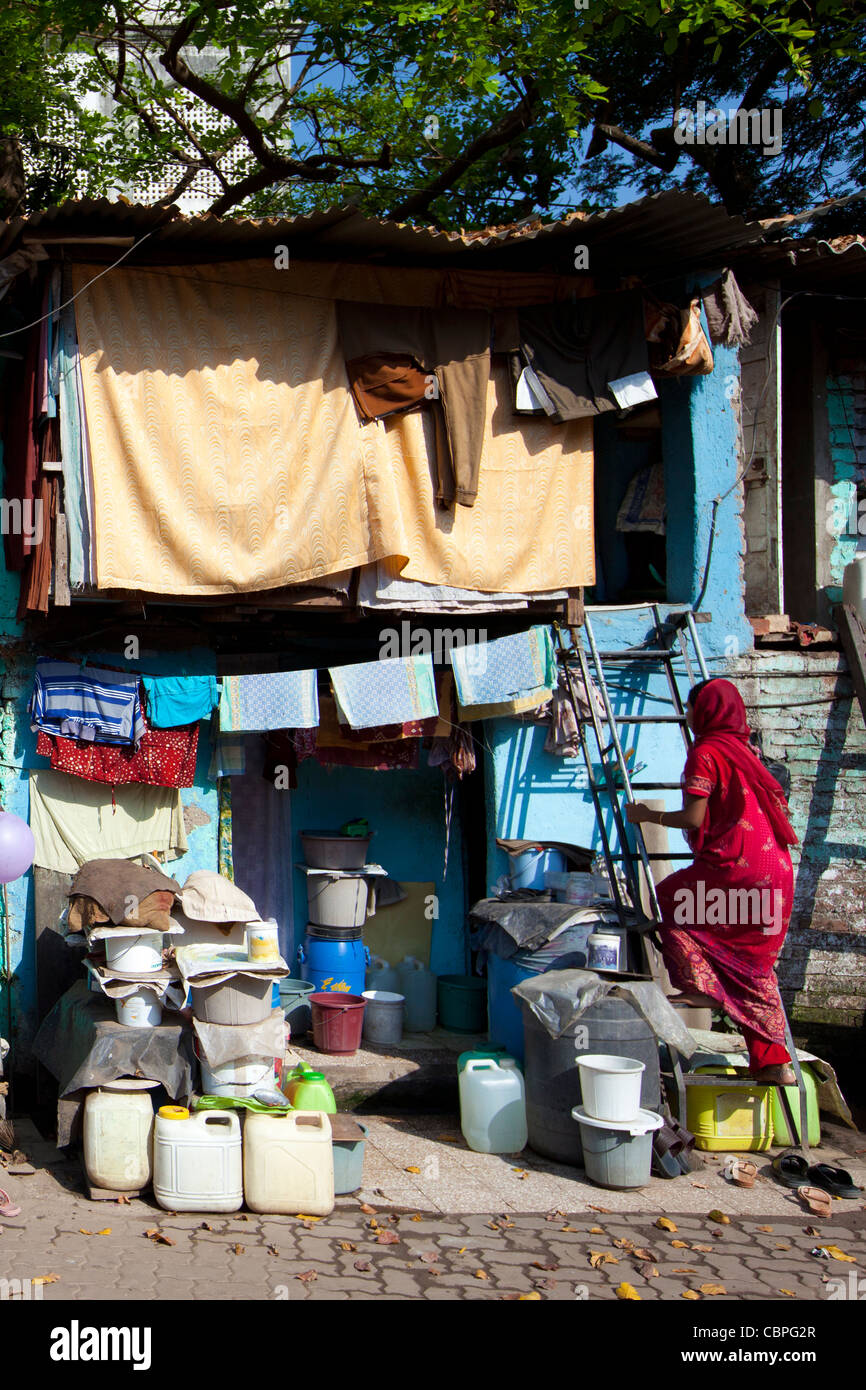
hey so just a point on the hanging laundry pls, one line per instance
(398, 358)
(36, 577)
(163, 758)
(338, 750)
(20, 452)
(74, 821)
(228, 756)
(86, 702)
(115, 883)
(176, 700)
(506, 709)
(730, 316)
(377, 757)
(505, 669)
(576, 350)
(393, 691)
(380, 586)
(278, 700)
(643, 508)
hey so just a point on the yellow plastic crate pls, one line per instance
(736, 1121)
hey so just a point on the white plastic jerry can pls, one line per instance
(289, 1163)
(493, 1106)
(118, 1139)
(197, 1160)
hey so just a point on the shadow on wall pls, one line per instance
(823, 910)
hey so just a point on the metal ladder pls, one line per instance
(669, 644)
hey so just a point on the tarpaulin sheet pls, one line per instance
(506, 927)
(559, 997)
(223, 1042)
(82, 1045)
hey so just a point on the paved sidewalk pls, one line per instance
(467, 1226)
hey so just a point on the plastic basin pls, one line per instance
(462, 1003)
(326, 849)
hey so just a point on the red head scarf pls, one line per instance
(721, 727)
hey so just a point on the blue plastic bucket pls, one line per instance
(528, 869)
(334, 965)
(566, 952)
(349, 1164)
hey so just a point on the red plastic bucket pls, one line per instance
(337, 1021)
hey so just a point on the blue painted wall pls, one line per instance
(406, 810)
(530, 793)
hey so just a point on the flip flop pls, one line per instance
(744, 1173)
(837, 1181)
(7, 1206)
(666, 1148)
(817, 1201)
(791, 1169)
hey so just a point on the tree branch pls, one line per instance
(317, 169)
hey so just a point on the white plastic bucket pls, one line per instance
(383, 1016)
(610, 1086)
(337, 902)
(135, 955)
(140, 1010)
(238, 1078)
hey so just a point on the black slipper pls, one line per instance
(791, 1169)
(665, 1163)
(837, 1181)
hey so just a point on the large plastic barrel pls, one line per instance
(566, 952)
(334, 965)
(553, 1079)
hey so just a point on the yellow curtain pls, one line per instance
(228, 455)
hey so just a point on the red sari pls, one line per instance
(724, 919)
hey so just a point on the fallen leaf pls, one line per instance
(701, 1185)
(690, 1293)
(363, 1265)
(537, 1264)
(529, 1297)
(162, 1239)
(640, 1253)
(387, 1238)
(768, 1230)
(462, 1250)
(547, 1284)
(782, 1247)
(685, 1270)
(347, 1245)
(395, 1219)
(837, 1254)
(242, 1216)
(272, 1250)
(812, 1231)
(205, 1226)
(665, 1224)
(648, 1270)
(627, 1291)
(83, 1232)
(416, 1217)
(521, 1173)
(593, 1230)
(481, 1274)
(789, 1293)
(106, 1231)
(301, 1217)
(437, 1272)
(429, 1257)
(151, 1231)
(601, 1257)
(46, 1279)
(680, 1244)
(605, 1210)
(308, 1276)
(712, 1288)
(367, 1209)
(412, 1169)
(704, 1249)
(623, 1243)
(123, 1200)
(717, 1235)
(719, 1217)
(238, 1249)
(449, 1138)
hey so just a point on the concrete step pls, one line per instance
(419, 1073)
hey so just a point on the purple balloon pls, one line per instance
(17, 846)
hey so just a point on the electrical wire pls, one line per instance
(10, 333)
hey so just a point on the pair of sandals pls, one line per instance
(7, 1206)
(791, 1170)
(673, 1153)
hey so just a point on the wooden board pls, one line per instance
(402, 930)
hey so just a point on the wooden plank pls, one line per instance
(62, 596)
(853, 637)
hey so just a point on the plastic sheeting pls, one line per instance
(559, 997)
(221, 1042)
(506, 927)
(82, 1045)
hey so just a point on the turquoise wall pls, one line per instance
(532, 794)
(406, 810)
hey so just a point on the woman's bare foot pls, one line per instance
(779, 1075)
(696, 1001)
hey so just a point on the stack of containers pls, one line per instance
(133, 976)
(616, 1134)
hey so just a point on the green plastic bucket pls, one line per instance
(348, 1164)
(462, 1003)
(295, 1004)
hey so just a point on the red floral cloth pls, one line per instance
(724, 919)
(164, 758)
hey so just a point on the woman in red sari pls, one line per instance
(724, 919)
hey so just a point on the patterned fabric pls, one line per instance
(280, 700)
(377, 756)
(176, 700)
(507, 709)
(492, 673)
(228, 756)
(173, 517)
(719, 936)
(394, 691)
(86, 702)
(163, 758)
(643, 507)
(225, 861)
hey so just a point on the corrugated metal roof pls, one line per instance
(674, 229)
(814, 259)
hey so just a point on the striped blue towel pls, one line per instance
(86, 702)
